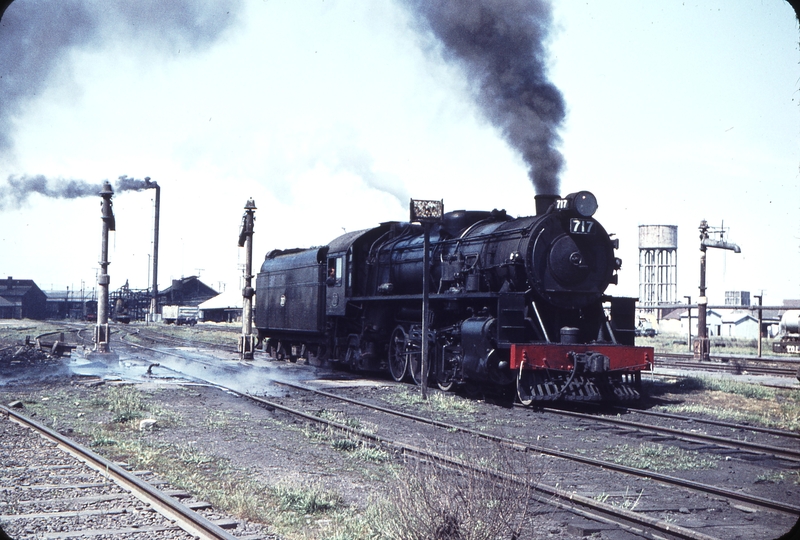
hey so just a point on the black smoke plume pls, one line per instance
(501, 46)
(36, 37)
(19, 188)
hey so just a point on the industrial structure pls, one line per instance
(658, 266)
(153, 314)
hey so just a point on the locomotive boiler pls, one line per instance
(514, 303)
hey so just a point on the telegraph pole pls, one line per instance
(760, 320)
(689, 309)
(427, 213)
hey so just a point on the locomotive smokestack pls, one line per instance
(543, 203)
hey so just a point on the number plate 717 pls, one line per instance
(581, 226)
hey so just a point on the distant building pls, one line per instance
(739, 323)
(6, 309)
(677, 322)
(737, 298)
(69, 304)
(22, 299)
(225, 307)
(188, 291)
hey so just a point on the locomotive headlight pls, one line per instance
(584, 203)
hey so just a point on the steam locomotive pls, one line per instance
(513, 302)
(789, 333)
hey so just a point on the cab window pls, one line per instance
(335, 269)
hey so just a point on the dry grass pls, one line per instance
(736, 402)
(222, 334)
(676, 343)
(14, 331)
(440, 500)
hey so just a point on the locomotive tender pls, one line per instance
(513, 302)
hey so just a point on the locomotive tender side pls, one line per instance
(513, 300)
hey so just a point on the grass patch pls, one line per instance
(658, 458)
(341, 418)
(306, 500)
(206, 476)
(627, 501)
(748, 390)
(218, 419)
(437, 402)
(13, 332)
(344, 445)
(688, 385)
(295, 512)
(371, 454)
(778, 417)
(125, 402)
(344, 441)
(739, 402)
(676, 343)
(204, 334)
(779, 477)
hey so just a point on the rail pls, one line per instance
(186, 519)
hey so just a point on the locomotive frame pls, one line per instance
(514, 302)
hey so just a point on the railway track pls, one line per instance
(634, 522)
(56, 488)
(730, 425)
(744, 446)
(787, 451)
(736, 364)
(587, 505)
(626, 520)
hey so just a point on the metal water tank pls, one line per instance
(658, 265)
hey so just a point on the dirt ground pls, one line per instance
(209, 438)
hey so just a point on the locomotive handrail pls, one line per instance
(371, 252)
(433, 296)
(541, 323)
(611, 332)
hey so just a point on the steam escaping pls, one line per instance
(36, 38)
(501, 46)
(346, 156)
(133, 184)
(19, 188)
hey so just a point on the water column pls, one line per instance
(102, 335)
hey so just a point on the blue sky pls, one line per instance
(331, 114)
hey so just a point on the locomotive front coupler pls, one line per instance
(590, 362)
